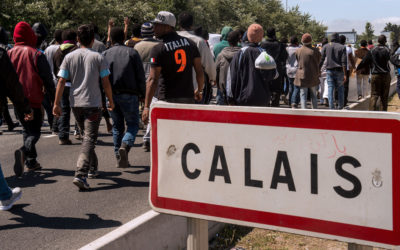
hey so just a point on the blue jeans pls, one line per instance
(126, 111)
(294, 96)
(295, 99)
(335, 81)
(303, 97)
(31, 135)
(220, 98)
(63, 122)
(398, 84)
(5, 191)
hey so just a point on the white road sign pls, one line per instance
(322, 173)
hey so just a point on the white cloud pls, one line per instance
(359, 25)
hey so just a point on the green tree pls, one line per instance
(395, 31)
(368, 33)
(212, 15)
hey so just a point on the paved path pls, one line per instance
(52, 213)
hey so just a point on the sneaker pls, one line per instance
(77, 135)
(360, 97)
(19, 162)
(123, 158)
(326, 102)
(12, 126)
(64, 142)
(294, 106)
(81, 183)
(146, 146)
(93, 174)
(284, 99)
(35, 167)
(7, 204)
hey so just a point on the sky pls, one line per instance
(344, 15)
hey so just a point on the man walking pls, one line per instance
(207, 60)
(223, 62)
(307, 75)
(68, 45)
(278, 51)
(250, 86)
(362, 75)
(172, 63)
(291, 69)
(11, 88)
(144, 49)
(83, 67)
(336, 67)
(224, 41)
(349, 68)
(34, 73)
(128, 84)
(378, 61)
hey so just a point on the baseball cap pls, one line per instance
(165, 17)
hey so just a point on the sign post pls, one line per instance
(197, 234)
(328, 174)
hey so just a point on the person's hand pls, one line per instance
(213, 83)
(145, 115)
(111, 23)
(28, 117)
(57, 110)
(345, 78)
(126, 21)
(198, 95)
(110, 106)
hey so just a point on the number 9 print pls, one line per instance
(180, 59)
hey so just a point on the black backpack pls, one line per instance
(395, 60)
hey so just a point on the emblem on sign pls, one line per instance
(377, 178)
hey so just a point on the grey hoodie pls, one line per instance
(335, 54)
(223, 61)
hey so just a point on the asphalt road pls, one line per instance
(52, 213)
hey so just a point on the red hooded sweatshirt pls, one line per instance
(24, 58)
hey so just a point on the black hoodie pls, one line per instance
(62, 51)
(10, 86)
(249, 86)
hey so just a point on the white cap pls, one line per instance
(165, 17)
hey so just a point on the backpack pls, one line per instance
(395, 58)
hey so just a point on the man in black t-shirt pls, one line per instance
(171, 66)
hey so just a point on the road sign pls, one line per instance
(328, 174)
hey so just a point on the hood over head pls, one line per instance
(24, 35)
(225, 31)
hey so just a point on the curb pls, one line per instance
(162, 230)
(363, 104)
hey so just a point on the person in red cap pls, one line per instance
(34, 73)
(307, 74)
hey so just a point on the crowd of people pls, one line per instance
(121, 78)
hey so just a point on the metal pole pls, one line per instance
(354, 246)
(197, 234)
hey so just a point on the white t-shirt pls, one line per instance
(349, 51)
(49, 53)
